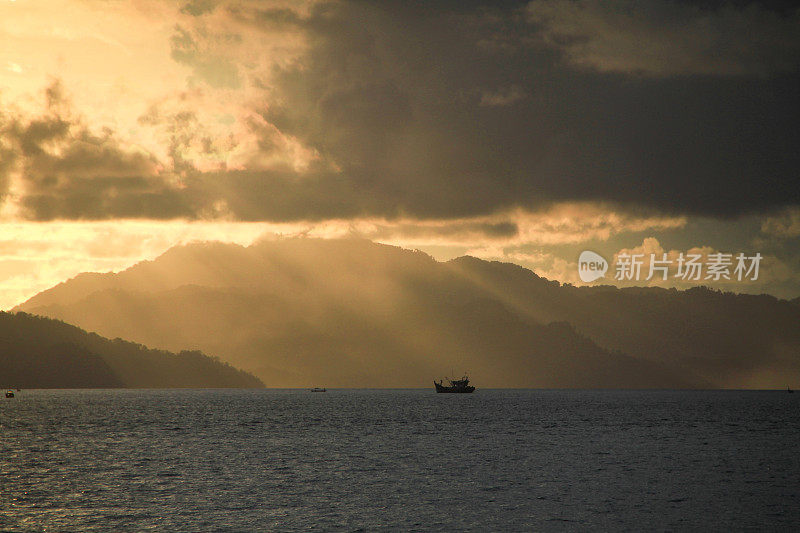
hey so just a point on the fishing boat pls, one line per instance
(456, 385)
(318, 389)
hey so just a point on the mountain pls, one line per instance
(724, 339)
(300, 312)
(38, 352)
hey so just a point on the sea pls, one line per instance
(399, 460)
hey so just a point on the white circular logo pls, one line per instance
(591, 266)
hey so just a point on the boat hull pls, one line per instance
(463, 390)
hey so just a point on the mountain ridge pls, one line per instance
(350, 312)
(39, 352)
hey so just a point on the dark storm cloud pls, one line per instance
(275, 195)
(659, 38)
(466, 109)
(451, 110)
(452, 229)
(66, 171)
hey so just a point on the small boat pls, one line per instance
(318, 389)
(456, 385)
(9, 393)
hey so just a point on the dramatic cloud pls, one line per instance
(785, 224)
(395, 110)
(662, 38)
(560, 224)
(64, 170)
(463, 110)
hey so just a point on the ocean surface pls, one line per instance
(408, 460)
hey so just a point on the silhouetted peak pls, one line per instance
(38, 352)
(498, 268)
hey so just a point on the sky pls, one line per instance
(525, 132)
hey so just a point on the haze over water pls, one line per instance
(288, 460)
